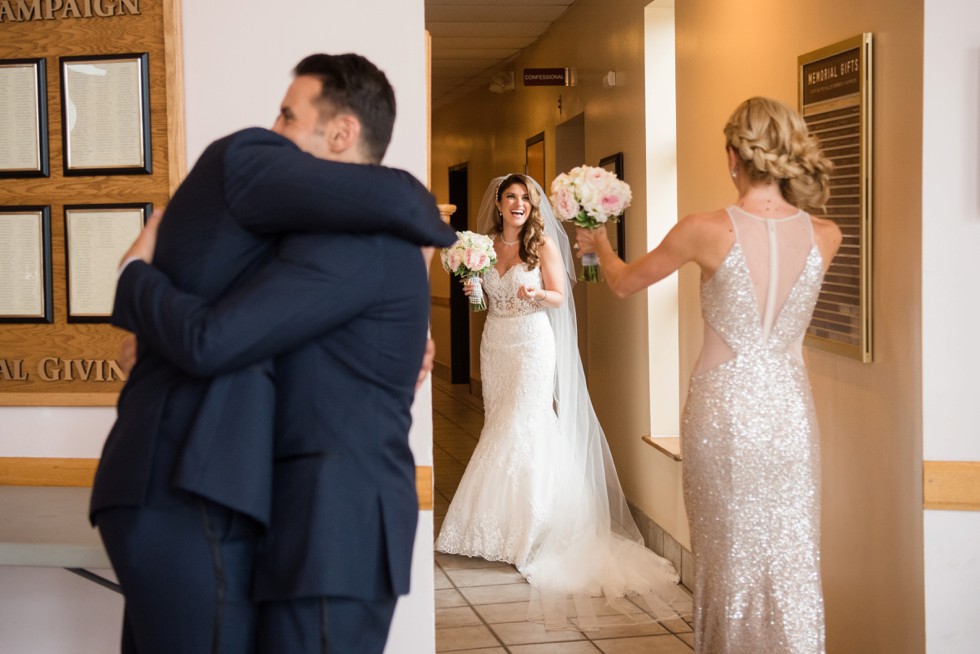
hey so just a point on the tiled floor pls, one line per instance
(480, 606)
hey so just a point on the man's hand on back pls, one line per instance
(144, 245)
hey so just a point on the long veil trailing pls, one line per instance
(592, 546)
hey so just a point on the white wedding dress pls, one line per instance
(503, 502)
(528, 496)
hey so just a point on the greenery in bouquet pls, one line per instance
(590, 197)
(468, 258)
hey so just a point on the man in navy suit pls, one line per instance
(185, 484)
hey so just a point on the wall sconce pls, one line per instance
(609, 79)
(502, 82)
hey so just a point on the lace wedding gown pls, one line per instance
(750, 443)
(521, 499)
(502, 504)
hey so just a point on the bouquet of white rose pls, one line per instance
(590, 197)
(468, 258)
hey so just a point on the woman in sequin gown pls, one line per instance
(540, 490)
(749, 435)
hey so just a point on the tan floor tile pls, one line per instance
(448, 598)
(618, 606)
(441, 580)
(687, 638)
(644, 645)
(678, 626)
(440, 505)
(509, 612)
(462, 451)
(482, 650)
(577, 647)
(458, 616)
(485, 576)
(623, 626)
(452, 470)
(460, 562)
(447, 490)
(461, 638)
(497, 594)
(525, 633)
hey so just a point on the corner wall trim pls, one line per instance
(951, 485)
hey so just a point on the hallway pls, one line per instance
(480, 606)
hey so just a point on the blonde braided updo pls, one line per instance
(774, 143)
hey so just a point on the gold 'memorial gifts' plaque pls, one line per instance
(835, 98)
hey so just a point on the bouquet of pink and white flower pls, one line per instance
(590, 197)
(468, 258)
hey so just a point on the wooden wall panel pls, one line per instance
(26, 347)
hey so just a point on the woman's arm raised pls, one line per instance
(696, 238)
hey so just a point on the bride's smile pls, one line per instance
(515, 206)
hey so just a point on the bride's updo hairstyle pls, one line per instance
(533, 231)
(774, 143)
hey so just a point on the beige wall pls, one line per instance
(870, 414)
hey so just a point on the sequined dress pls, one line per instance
(503, 501)
(750, 446)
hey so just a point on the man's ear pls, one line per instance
(343, 133)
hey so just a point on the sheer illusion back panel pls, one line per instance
(775, 251)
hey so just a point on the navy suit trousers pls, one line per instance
(325, 625)
(185, 569)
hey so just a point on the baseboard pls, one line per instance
(442, 371)
(663, 544)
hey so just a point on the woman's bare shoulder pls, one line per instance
(825, 226)
(705, 225)
(827, 235)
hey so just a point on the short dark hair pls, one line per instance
(353, 84)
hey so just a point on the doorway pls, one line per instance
(570, 152)
(459, 311)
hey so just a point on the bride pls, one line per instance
(540, 491)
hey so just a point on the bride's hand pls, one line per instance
(467, 287)
(530, 293)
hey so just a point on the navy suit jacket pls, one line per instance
(344, 503)
(219, 227)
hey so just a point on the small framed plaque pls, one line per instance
(106, 115)
(617, 237)
(25, 264)
(96, 238)
(23, 118)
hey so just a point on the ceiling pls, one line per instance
(473, 39)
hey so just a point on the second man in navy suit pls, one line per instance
(191, 469)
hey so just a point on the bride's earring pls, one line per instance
(734, 174)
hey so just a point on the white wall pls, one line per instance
(950, 313)
(238, 55)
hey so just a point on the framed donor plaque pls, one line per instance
(23, 118)
(96, 238)
(617, 237)
(25, 265)
(105, 103)
(835, 96)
